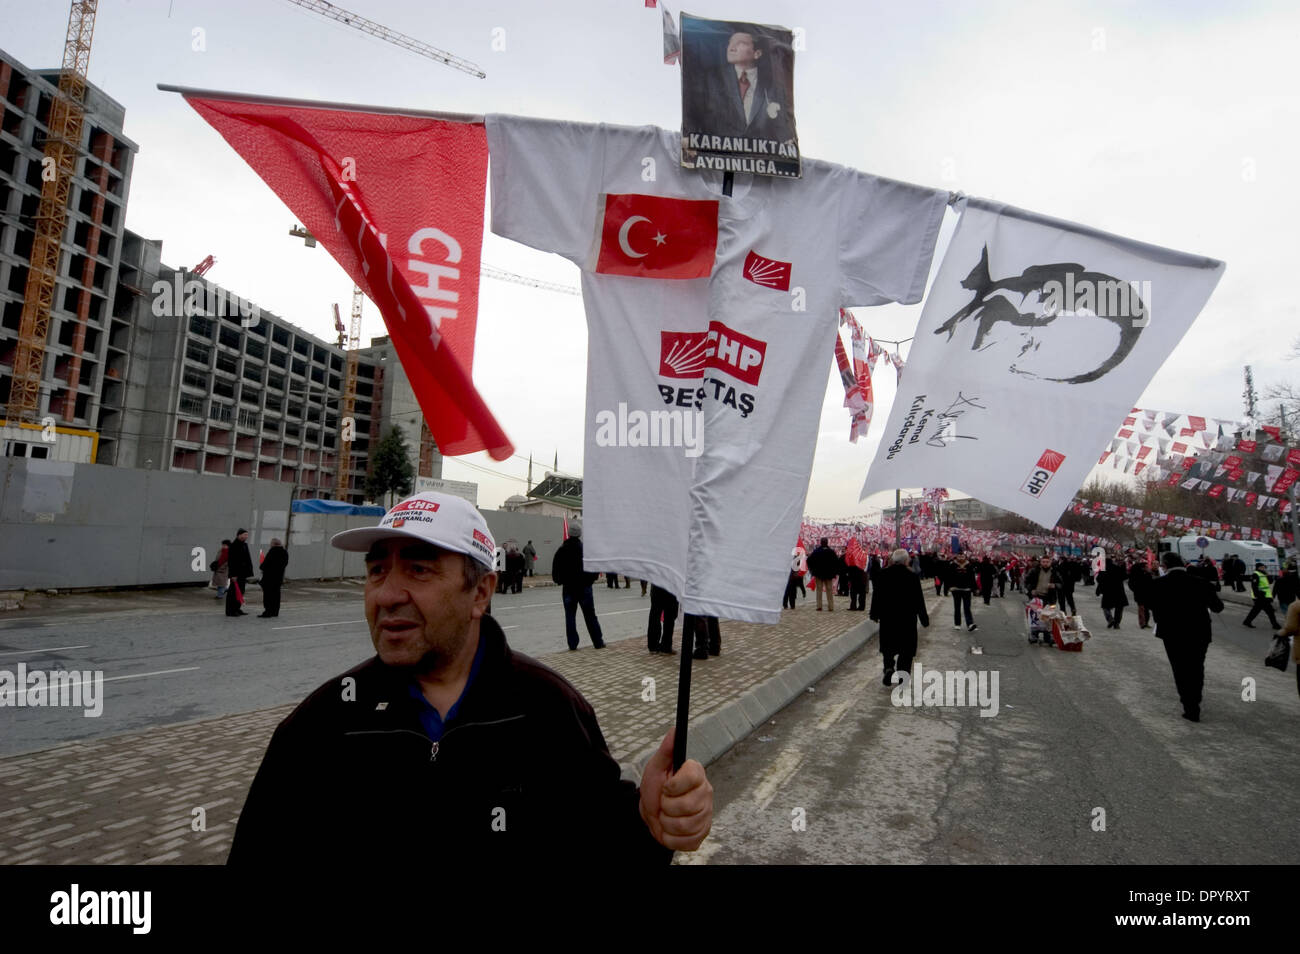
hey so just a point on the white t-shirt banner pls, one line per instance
(699, 390)
(1037, 337)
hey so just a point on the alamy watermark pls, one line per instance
(65, 688)
(636, 428)
(951, 687)
(177, 299)
(1110, 298)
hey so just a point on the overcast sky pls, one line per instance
(1173, 122)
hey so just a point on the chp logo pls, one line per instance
(484, 543)
(767, 272)
(418, 510)
(687, 354)
(1043, 472)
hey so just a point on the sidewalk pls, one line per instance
(134, 798)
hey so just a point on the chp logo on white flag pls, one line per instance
(1038, 335)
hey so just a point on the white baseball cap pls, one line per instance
(445, 521)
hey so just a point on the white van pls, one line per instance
(1251, 551)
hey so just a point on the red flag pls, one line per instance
(1196, 423)
(566, 528)
(366, 183)
(651, 236)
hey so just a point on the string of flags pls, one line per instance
(1137, 518)
(1220, 458)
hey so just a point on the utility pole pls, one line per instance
(1249, 395)
(1286, 436)
(898, 531)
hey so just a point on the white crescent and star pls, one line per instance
(623, 243)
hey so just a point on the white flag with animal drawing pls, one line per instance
(1037, 338)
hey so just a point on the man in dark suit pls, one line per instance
(241, 568)
(738, 99)
(896, 603)
(273, 567)
(1181, 604)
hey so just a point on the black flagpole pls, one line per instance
(688, 628)
(684, 690)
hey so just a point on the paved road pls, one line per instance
(1073, 733)
(173, 656)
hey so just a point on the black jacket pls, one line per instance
(241, 561)
(1139, 581)
(825, 564)
(957, 578)
(897, 601)
(1181, 604)
(1110, 587)
(1054, 583)
(522, 773)
(273, 565)
(566, 567)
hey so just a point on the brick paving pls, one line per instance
(131, 799)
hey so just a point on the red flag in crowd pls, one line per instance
(367, 183)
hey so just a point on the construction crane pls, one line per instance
(349, 395)
(487, 271)
(202, 267)
(66, 118)
(299, 232)
(338, 326)
(358, 22)
(501, 275)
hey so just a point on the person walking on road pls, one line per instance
(1110, 587)
(1181, 605)
(825, 564)
(1263, 594)
(375, 758)
(514, 570)
(960, 581)
(1139, 579)
(663, 606)
(241, 569)
(221, 570)
(575, 589)
(798, 568)
(273, 567)
(897, 602)
(1285, 587)
(1070, 573)
(855, 567)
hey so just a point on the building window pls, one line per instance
(25, 449)
(191, 406)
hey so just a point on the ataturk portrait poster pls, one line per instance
(738, 98)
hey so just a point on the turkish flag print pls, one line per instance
(653, 236)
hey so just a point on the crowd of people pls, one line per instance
(895, 580)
